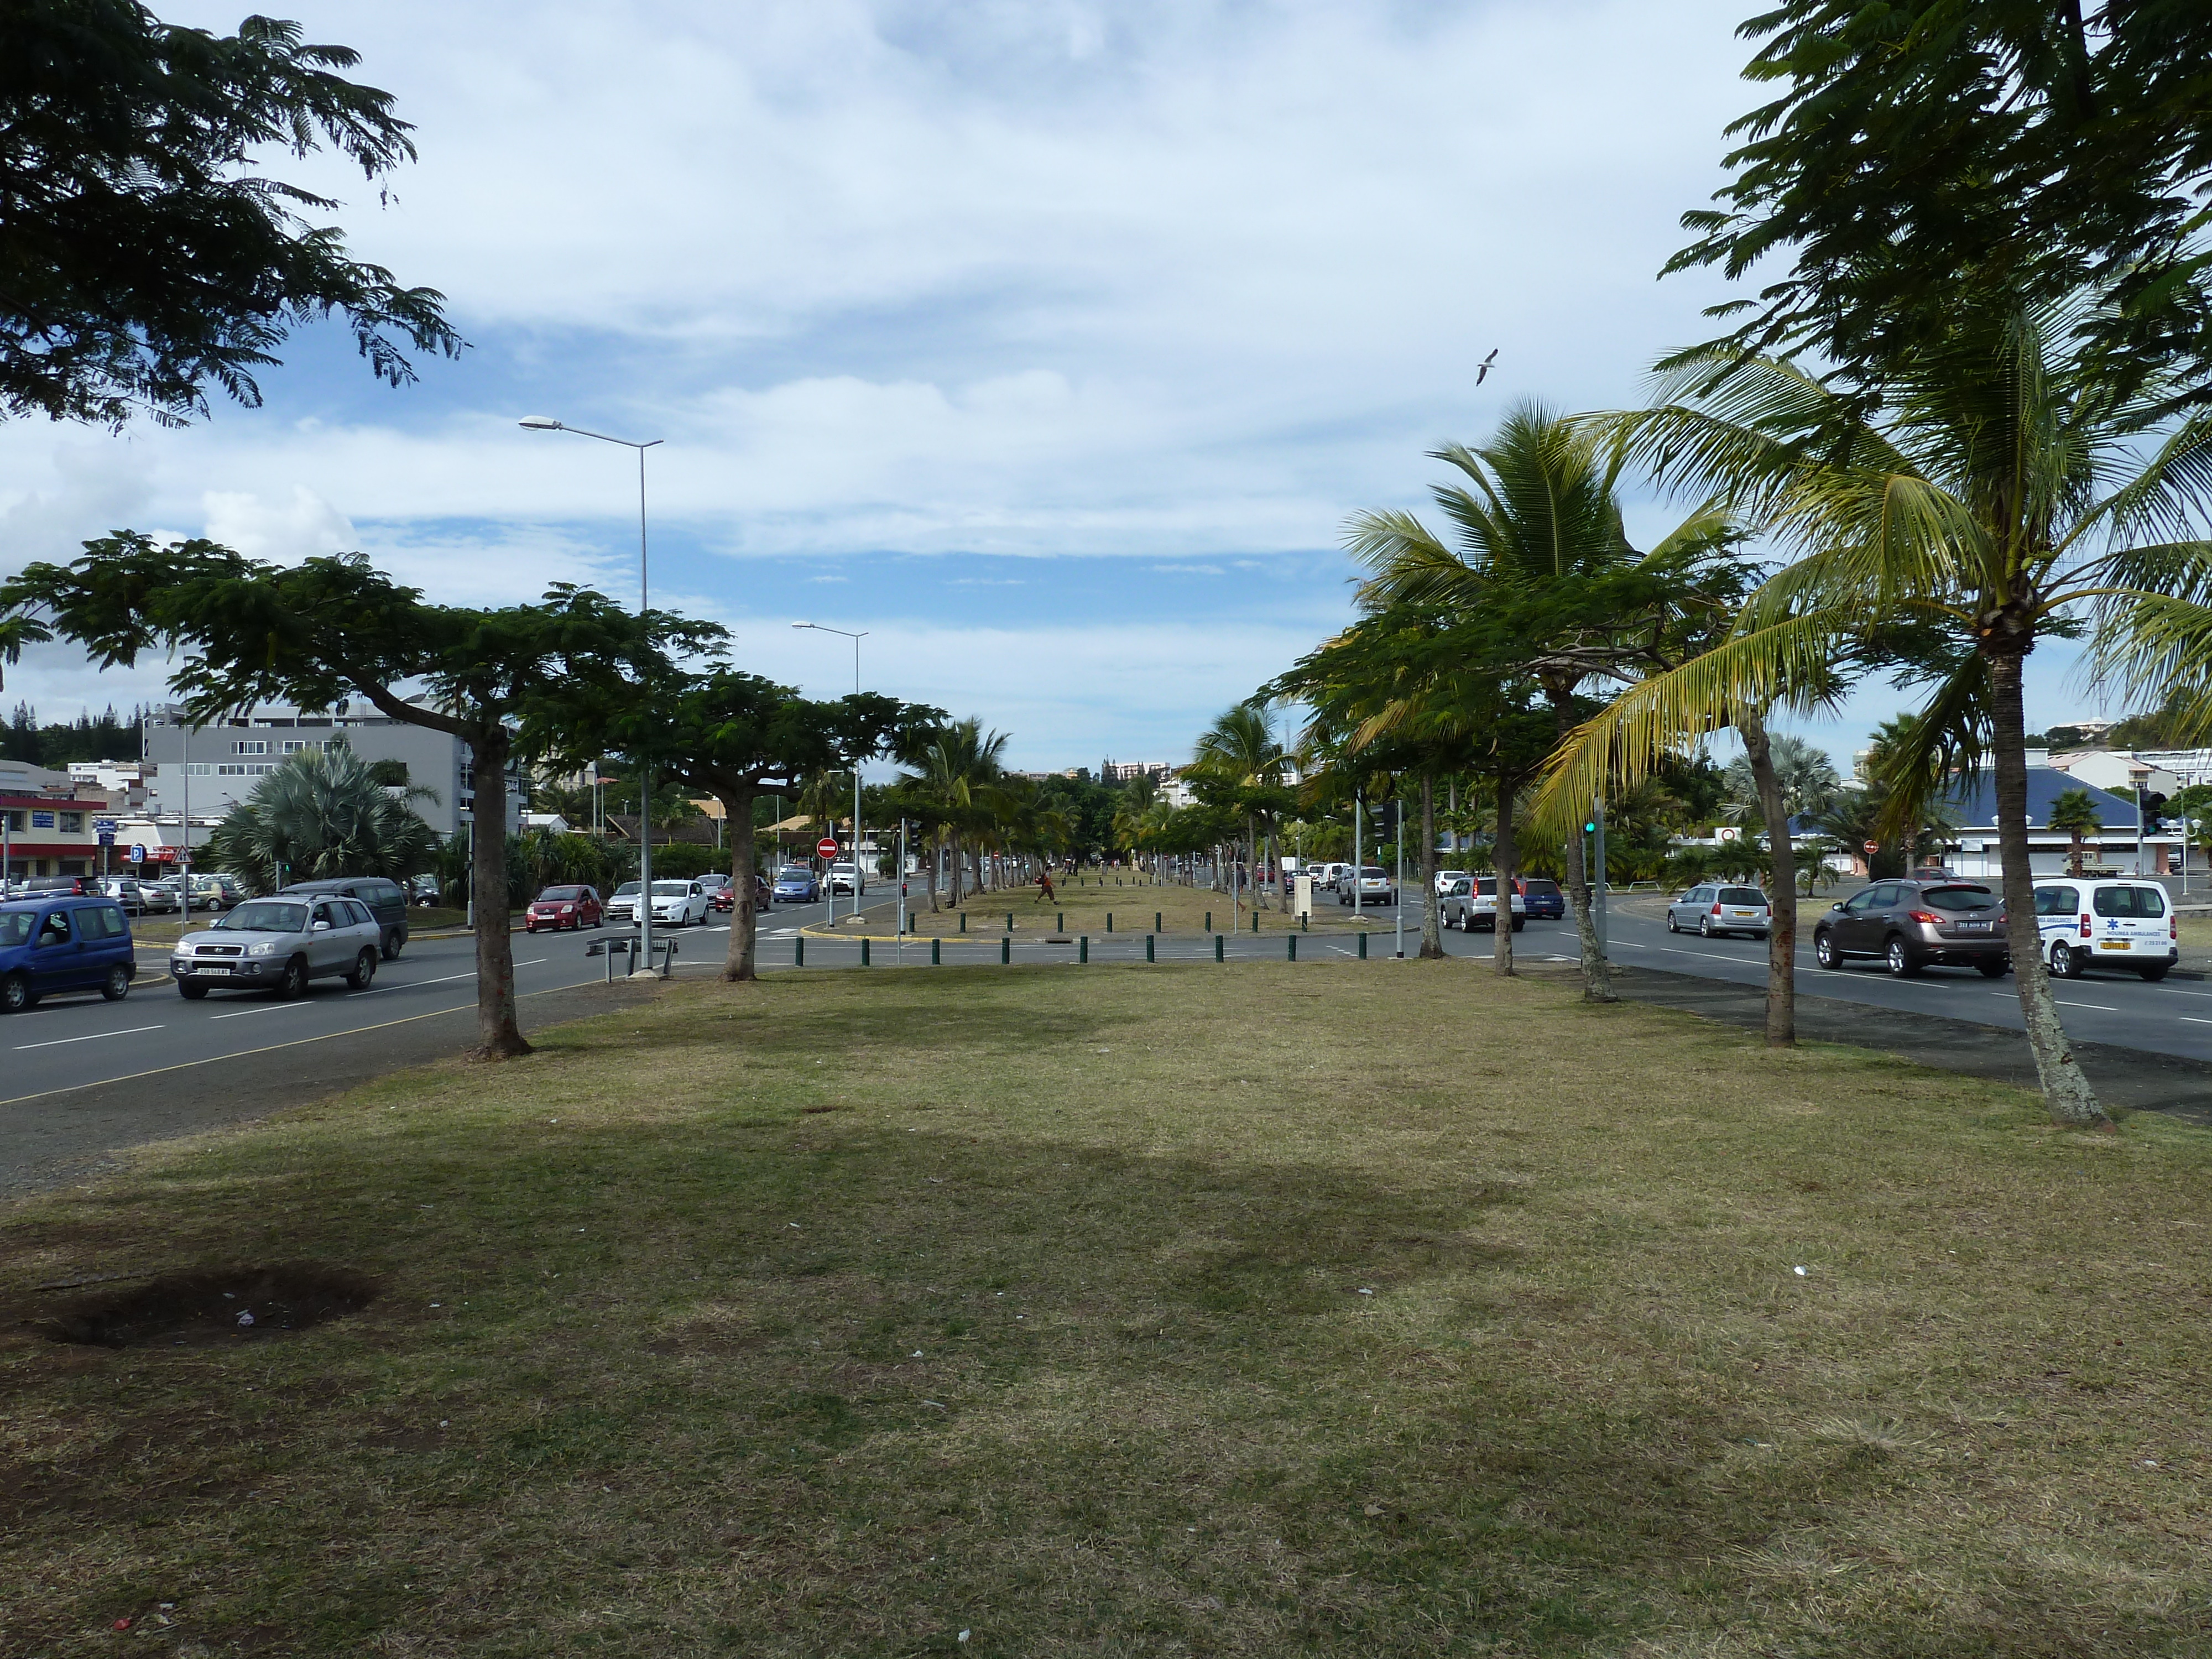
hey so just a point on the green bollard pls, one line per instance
(1148, 947)
(1218, 939)
(1209, 922)
(864, 953)
(1293, 940)
(964, 921)
(1109, 921)
(935, 960)
(1302, 921)
(1059, 921)
(1363, 944)
(798, 951)
(1083, 948)
(1255, 921)
(1006, 951)
(1009, 921)
(1156, 922)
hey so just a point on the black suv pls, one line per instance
(385, 899)
(1912, 924)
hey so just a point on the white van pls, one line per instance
(2095, 922)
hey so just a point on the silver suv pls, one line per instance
(280, 944)
(1372, 885)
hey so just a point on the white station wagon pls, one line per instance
(2088, 922)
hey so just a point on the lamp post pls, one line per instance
(547, 423)
(856, 639)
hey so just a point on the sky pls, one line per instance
(1049, 344)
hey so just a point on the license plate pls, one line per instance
(211, 973)
(1973, 927)
(1746, 916)
(2112, 944)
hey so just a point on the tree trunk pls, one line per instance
(929, 881)
(1597, 978)
(955, 870)
(498, 1035)
(1507, 860)
(2066, 1091)
(744, 927)
(1432, 931)
(1781, 887)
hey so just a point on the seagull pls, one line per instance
(1482, 369)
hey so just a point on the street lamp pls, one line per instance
(547, 423)
(856, 639)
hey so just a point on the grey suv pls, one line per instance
(1910, 924)
(280, 944)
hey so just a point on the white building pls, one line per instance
(2115, 769)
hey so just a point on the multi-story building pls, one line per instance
(46, 825)
(218, 764)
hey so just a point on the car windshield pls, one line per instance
(627, 889)
(1375, 873)
(1742, 895)
(560, 895)
(15, 926)
(794, 875)
(671, 889)
(265, 916)
(2129, 901)
(1958, 899)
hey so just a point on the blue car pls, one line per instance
(1545, 902)
(63, 943)
(795, 884)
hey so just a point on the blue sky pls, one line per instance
(1050, 343)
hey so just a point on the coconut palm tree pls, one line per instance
(1240, 751)
(954, 772)
(323, 813)
(2012, 484)
(2076, 813)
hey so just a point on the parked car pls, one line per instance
(795, 884)
(202, 899)
(564, 908)
(1714, 911)
(1445, 878)
(223, 890)
(1543, 900)
(1910, 925)
(1373, 886)
(63, 942)
(139, 898)
(848, 879)
(1471, 906)
(281, 944)
(681, 904)
(385, 899)
(74, 886)
(2086, 924)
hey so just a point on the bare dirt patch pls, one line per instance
(216, 1306)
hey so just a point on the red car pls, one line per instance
(558, 908)
(720, 895)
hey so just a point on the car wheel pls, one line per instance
(1994, 968)
(294, 985)
(364, 971)
(1519, 922)
(1825, 951)
(190, 992)
(1900, 960)
(1673, 926)
(116, 985)
(2155, 971)
(2063, 965)
(393, 943)
(15, 994)
(1704, 927)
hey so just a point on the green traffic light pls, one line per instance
(1590, 826)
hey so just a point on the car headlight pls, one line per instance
(267, 947)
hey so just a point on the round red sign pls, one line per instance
(1872, 847)
(826, 846)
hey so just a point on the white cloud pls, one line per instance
(301, 526)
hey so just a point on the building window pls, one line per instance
(15, 822)
(199, 769)
(250, 746)
(72, 824)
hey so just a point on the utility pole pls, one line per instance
(1398, 886)
(1597, 892)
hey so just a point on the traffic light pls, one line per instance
(1590, 826)
(2154, 814)
(1386, 820)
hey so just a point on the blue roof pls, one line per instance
(1974, 798)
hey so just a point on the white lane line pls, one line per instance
(532, 963)
(56, 1042)
(2192, 1020)
(268, 1008)
(2014, 996)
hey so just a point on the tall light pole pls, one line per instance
(547, 423)
(856, 639)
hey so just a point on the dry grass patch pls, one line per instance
(1119, 1311)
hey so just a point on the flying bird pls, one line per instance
(1482, 369)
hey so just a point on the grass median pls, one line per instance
(1120, 1310)
(1139, 906)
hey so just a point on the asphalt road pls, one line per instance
(81, 1077)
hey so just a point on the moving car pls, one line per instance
(422, 890)
(1446, 878)
(1910, 925)
(1373, 885)
(385, 899)
(281, 944)
(1714, 911)
(722, 891)
(848, 879)
(64, 943)
(559, 908)
(1472, 906)
(1543, 899)
(679, 903)
(2085, 923)
(795, 884)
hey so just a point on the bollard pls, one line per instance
(1083, 948)
(798, 951)
(1005, 950)
(1363, 944)
(864, 953)
(1209, 922)
(964, 921)
(1156, 922)
(935, 960)
(1303, 919)
(1009, 921)
(1255, 921)
(1217, 940)
(1109, 921)
(1293, 940)
(1059, 921)
(1148, 947)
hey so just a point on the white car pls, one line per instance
(2090, 922)
(846, 879)
(1446, 878)
(1715, 910)
(680, 903)
(1373, 885)
(1470, 904)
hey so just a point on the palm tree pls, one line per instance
(323, 813)
(1240, 749)
(2076, 813)
(1540, 553)
(2002, 490)
(955, 771)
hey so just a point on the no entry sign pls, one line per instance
(827, 847)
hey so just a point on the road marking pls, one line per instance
(2014, 996)
(57, 1043)
(268, 1008)
(532, 963)
(446, 979)
(2193, 1020)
